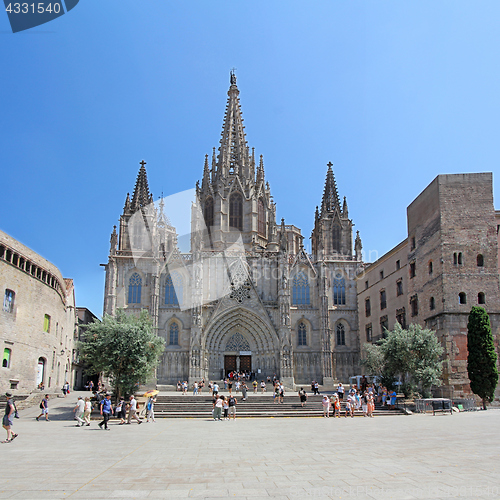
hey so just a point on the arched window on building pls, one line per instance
(336, 238)
(173, 334)
(300, 290)
(236, 211)
(460, 259)
(302, 331)
(134, 289)
(173, 289)
(6, 358)
(261, 218)
(209, 213)
(480, 261)
(462, 298)
(40, 371)
(481, 299)
(340, 334)
(339, 290)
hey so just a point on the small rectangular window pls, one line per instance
(384, 325)
(366, 285)
(414, 305)
(383, 299)
(369, 332)
(46, 323)
(413, 269)
(412, 243)
(382, 274)
(368, 309)
(399, 287)
(8, 301)
(398, 265)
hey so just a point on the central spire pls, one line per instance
(330, 200)
(233, 150)
(142, 197)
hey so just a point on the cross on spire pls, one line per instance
(329, 164)
(142, 163)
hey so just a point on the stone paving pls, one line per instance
(401, 457)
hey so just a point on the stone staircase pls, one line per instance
(177, 406)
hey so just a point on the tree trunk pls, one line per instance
(484, 404)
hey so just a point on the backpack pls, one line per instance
(41, 406)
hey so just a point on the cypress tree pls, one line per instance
(482, 358)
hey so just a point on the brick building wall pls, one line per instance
(37, 320)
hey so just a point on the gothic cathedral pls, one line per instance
(246, 295)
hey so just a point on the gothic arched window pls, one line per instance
(261, 219)
(209, 213)
(340, 334)
(336, 238)
(302, 331)
(134, 289)
(236, 211)
(173, 334)
(300, 290)
(339, 290)
(173, 289)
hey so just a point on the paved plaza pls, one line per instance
(398, 457)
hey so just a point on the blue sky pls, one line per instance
(393, 93)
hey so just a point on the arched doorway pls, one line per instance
(40, 372)
(238, 339)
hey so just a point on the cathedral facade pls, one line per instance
(246, 295)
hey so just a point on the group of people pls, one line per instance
(83, 410)
(224, 407)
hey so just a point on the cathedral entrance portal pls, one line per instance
(240, 340)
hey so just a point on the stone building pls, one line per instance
(246, 295)
(37, 320)
(448, 263)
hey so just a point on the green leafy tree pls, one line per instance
(124, 348)
(482, 358)
(412, 355)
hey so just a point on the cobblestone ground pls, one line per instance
(414, 457)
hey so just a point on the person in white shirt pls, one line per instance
(132, 410)
(79, 410)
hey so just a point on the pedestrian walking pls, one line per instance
(7, 421)
(65, 388)
(121, 410)
(281, 392)
(132, 410)
(262, 387)
(106, 411)
(302, 397)
(326, 406)
(87, 411)
(79, 410)
(215, 389)
(217, 411)
(195, 388)
(150, 407)
(255, 384)
(44, 406)
(244, 391)
(225, 407)
(232, 407)
(340, 391)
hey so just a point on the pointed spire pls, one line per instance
(233, 144)
(206, 175)
(283, 240)
(358, 247)
(345, 211)
(214, 165)
(142, 197)
(330, 200)
(260, 170)
(126, 208)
